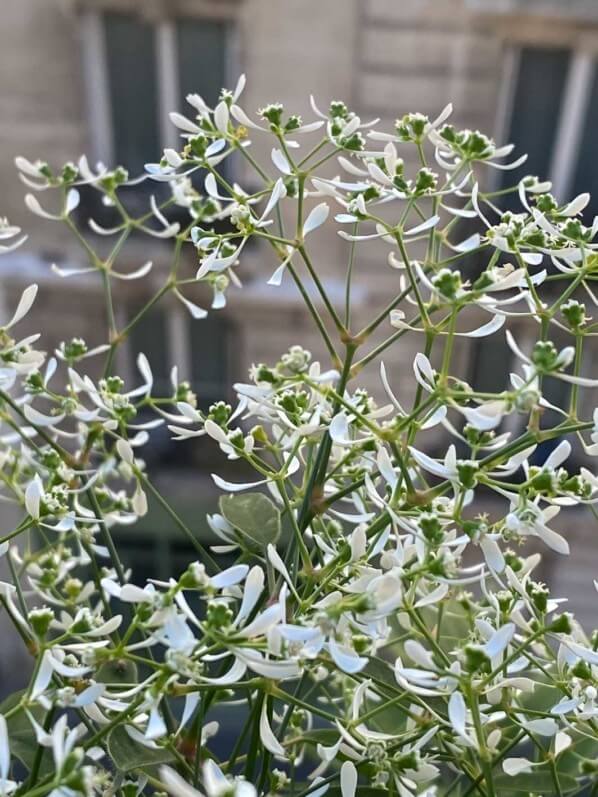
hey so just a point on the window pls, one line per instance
(491, 363)
(536, 101)
(553, 113)
(137, 70)
(586, 174)
(133, 90)
(202, 349)
(210, 356)
(203, 352)
(150, 336)
(202, 58)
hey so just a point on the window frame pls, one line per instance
(101, 132)
(95, 67)
(582, 71)
(583, 66)
(178, 344)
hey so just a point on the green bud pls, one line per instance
(431, 528)
(447, 283)
(467, 470)
(476, 660)
(218, 616)
(581, 669)
(575, 313)
(561, 624)
(40, 620)
(272, 113)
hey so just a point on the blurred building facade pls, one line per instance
(100, 76)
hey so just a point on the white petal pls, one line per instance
(221, 117)
(487, 329)
(277, 670)
(276, 278)
(39, 419)
(236, 672)
(558, 456)
(196, 311)
(433, 597)
(70, 272)
(500, 640)
(33, 495)
(175, 785)
(191, 702)
(44, 676)
(34, 206)
(576, 205)
(142, 271)
(553, 539)
(239, 114)
(24, 305)
(4, 749)
(591, 656)
(426, 225)
(348, 779)
(543, 726)
(492, 554)
(316, 218)
(281, 163)
(473, 242)
(515, 766)
(239, 87)
(277, 563)
(422, 657)
(233, 487)
(269, 741)
(278, 192)
(183, 123)
(345, 658)
(72, 201)
(125, 451)
(254, 586)
(562, 742)
(339, 429)
(263, 622)
(431, 465)
(156, 726)
(229, 577)
(457, 713)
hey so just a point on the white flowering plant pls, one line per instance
(357, 622)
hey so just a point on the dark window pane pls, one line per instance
(150, 336)
(130, 50)
(536, 107)
(491, 364)
(210, 358)
(202, 55)
(556, 392)
(586, 173)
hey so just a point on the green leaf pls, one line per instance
(119, 672)
(23, 744)
(128, 754)
(254, 516)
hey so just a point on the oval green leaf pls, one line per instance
(254, 516)
(128, 754)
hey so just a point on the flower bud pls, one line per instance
(40, 620)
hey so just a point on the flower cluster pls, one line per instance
(379, 621)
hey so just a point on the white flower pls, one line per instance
(214, 782)
(7, 786)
